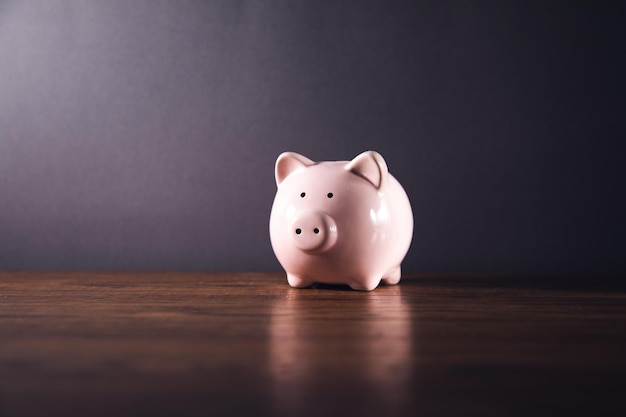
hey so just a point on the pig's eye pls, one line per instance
(302, 195)
(329, 195)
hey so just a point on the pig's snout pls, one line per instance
(313, 231)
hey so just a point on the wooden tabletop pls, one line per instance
(220, 344)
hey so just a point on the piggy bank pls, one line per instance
(343, 222)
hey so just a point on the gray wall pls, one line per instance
(142, 134)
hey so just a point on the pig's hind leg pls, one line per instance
(392, 276)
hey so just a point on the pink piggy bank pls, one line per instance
(344, 222)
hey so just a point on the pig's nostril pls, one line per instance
(298, 231)
(316, 230)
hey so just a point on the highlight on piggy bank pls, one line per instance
(339, 222)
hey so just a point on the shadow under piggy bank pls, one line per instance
(333, 351)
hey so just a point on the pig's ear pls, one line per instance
(289, 162)
(371, 166)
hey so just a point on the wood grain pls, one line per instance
(157, 343)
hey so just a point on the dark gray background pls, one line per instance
(143, 134)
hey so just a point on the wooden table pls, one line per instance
(220, 344)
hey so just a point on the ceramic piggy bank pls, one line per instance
(344, 222)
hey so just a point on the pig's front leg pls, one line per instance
(298, 282)
(365, 283)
